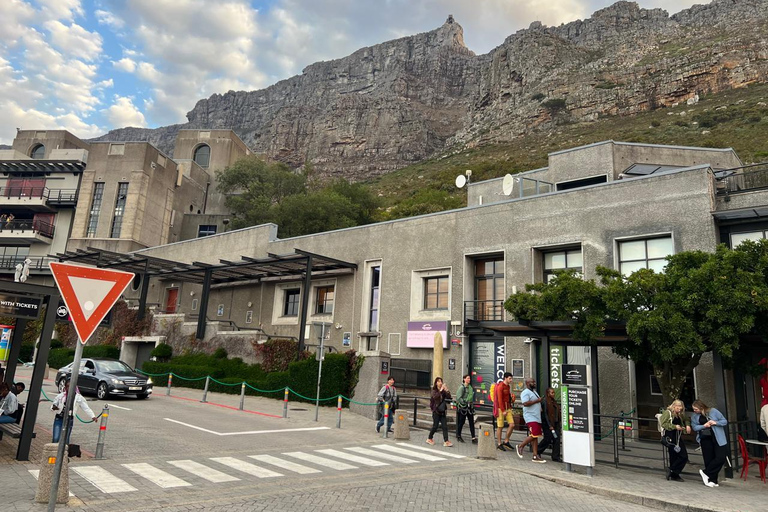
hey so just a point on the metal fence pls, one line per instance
(484, 310)
(35, 225)
(37, 192)
(750, 177)
(38, 263)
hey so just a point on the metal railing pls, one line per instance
(35, 225)
(38, 263)
(37, 192)
(484, 310)
(750, 177)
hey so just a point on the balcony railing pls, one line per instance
(38, 262)
(484, 310)
(38, 226)
(54, 196)
(750, 177)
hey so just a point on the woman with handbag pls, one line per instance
(438, 402)
(709, 424)
(675, 423)
(465, 409)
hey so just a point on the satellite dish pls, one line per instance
(461, 180)
(508, 185)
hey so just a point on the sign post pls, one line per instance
(320, 356)
(577, 420)
(88, 293)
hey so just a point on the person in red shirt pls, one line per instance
(503, 401)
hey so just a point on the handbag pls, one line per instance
(666, 441)
(442, 407)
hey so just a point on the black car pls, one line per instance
(104, 377)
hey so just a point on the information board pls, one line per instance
(576, 404)
(487, 363)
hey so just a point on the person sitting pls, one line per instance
(8, 404)
(18, 388)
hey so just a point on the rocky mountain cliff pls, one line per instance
(399, 102)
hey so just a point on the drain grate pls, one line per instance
(292, 409)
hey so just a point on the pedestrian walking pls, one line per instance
(709, 424)
(59, 403)
(532, 416)
(675, 423)
(465, 408)
(552, 425)
(387, 393)
(503, 400)
(438, 402)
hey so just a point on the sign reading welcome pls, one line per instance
(424, 334)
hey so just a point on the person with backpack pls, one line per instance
(503, 400)
(387, 393)
(465, 409)
(59, 404)
(438, 402)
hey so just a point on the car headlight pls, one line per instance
(117, 381)
(149, 381)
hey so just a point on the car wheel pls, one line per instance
(142, 396)
(102, 392)
(61, 384)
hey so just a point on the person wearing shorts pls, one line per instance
(532, 416)
(502, 410)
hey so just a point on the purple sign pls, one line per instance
(424, 334)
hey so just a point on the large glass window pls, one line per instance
(117, 219)
(324, 300)
(436, 292)
(38, 152)
(737, 238)
(569, 259)
(373, 312)
(93, 216)
(646, 253)
(206, 230)
(203, 156)
(489, 288)
(291, 302)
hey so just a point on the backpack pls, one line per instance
(492, 392)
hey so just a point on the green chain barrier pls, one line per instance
(76, 416)
(224, 383)
(185, 378)
(358, 403)
(265, 390)
(153, 374)
(313, 399)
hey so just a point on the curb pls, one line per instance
(626, 497)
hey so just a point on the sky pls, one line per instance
(92, 65)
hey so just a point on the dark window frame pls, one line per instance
(375, 299)
(324, 304)
(291, 301)
(35, 153)
(435, 306)
(197, 152)
(121, 199)
(548, 273)
(95, 212)
(645, 241)
(206, 232)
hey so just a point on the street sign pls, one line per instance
(20, 306)
(88, 293)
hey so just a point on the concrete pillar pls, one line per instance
(402, 430)
(486, 444)
(437, 365)
(46, 476)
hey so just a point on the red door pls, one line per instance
(170, 302)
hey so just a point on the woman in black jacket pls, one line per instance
(439, 402)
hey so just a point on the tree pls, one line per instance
(702, 302)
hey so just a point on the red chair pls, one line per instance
(747, 460)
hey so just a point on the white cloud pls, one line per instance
(15, 16)
(109, 19)
(124, 113)
(61, 9)
(125, 64)
(14, 116)
(74, 40)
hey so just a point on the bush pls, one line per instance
(220, 353)
(162, 352)
(538, 96)
(59, 357)
(277, 354)
(25, 354)
(554, 105)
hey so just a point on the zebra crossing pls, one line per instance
(216, 470)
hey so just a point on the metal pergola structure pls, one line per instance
(299, 264)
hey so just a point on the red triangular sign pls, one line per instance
(89, 293)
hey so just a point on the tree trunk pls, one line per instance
(672, 375)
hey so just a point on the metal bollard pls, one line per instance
(205, 391)
(338, 406)
(285, 404)
(242, 395)
(170, 381)
(102, 433)
(386, 419)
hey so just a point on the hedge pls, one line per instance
(59, 357)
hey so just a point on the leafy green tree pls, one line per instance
(302, 214)
(702, 302)
(425, 201)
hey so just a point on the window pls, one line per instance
(737, 238)
(11, 256)
(489, 289)
(93, 217)
(436, 292)
(206, 230)
(373, 310)
(117, 219)
(116, 149)
(324, 302)
(647, 253)
(203, 156)
(291, 302)
(569, 259)
(38, 152)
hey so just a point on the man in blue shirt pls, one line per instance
(532, 416)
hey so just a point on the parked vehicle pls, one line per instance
(104, 377)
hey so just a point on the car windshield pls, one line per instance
(113, 366)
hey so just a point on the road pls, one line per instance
(179, 454)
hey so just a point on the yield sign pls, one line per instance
(89, 293)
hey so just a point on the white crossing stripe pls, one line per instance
(433, 451)
(403, 451)
(156, 476)
(246, 467)
(352, 458)
(387, 456)
(320, 461)
(36, 473)
(197, 469)
(102, 479)
(285, 464)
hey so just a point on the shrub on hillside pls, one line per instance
(162, 352)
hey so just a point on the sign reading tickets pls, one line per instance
(556, 353)
(20, 306)
(424, 334)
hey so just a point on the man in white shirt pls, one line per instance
(763, 436)
(8, 404)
